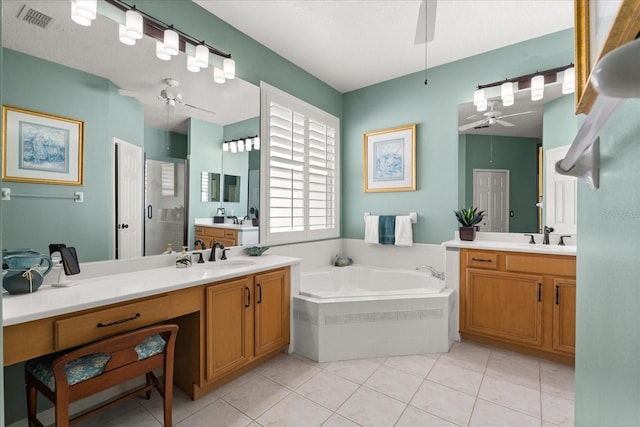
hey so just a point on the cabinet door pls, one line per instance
(503, 305)
(564, 316)
(229, 327)
(272, 311)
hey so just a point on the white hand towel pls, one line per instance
(371, 229)
(404, 231)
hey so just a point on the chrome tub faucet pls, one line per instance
(435, 273)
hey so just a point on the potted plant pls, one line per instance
(468, 218)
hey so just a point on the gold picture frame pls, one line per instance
(41, 148)
(390, 159)
(624, 28)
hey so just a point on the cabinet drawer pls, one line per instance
(551, 265)
(481, 259)
(230, 234)
(92, 326)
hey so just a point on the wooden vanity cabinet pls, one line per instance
(523, 301)
(210, 235)
(246, 319)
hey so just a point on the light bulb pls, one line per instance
(124, 37)
(479, 96)
(218, 75)
(202, 56)
(225, 146)
(83, 11)
(247, 144)
(256, 142)
(160, 53)
(506, 92)
(229, 68)
(569, 80)
(171, 42)
(241, 145)
(133, 24)
(233, 146)
(191, 64)
(537, 87)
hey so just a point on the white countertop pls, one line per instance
(499, 245)
(239, 227)
(91, 292)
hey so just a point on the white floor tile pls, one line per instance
(183, 405)
(290, 372)
(447, 373)
(487, 414)
(338, 421)
(515, 368)
(394, 383)
(415, 365)
(557, 410)
(370, 408)
(217, 414)
(557, 379)
(468, 355)
(256, 396)
(513, 396)
(452, 405)
(328, 390)
(294, 411)
(414, 417)
(354, 370)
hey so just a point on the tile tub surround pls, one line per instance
(419, 390)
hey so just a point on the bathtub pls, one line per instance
(365, 311)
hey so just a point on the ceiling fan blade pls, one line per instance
(504, 123)
(200, 108)
(472, 125)
(473, 116)
(517, 114)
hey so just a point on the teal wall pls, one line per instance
(560, 122)
(434, 109)
(520, 157)
(608, 289)
(66, 92)
(163, 145)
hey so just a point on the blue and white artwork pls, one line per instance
(389, 160)
(43, 148)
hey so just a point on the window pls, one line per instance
(300, 170)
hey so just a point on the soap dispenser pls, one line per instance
(184, 259)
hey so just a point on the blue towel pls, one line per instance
(387, 230)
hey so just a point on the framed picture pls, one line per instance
(41, 148)
(390, 159)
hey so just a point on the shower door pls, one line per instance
(165, 206)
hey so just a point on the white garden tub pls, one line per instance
(364, 311)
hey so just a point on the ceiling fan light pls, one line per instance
(537, 87)
(124, 36)
(479, 97)
(133, 24)
(218, 75)
(506, 92)
(171, 42)
(569, 80)
(192, 65)
(160, 52)
(482, 105)
(83, 11)
(256, 142)
(229, 68)
(225, 146)
(202, 56)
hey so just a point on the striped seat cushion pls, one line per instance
(89, 366)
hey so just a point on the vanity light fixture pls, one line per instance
(225, 146)
(569, 80)
(218, 75)
(248, 143)
(133, 24)
(240, 145)
(506, 93)
(256, 142)
(83, 12)
(537, 87)
(233, 146)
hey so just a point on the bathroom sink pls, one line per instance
(225, 265)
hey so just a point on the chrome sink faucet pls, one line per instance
(547, 231)
(435, 273)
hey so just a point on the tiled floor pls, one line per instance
(471, 385)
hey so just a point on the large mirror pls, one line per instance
(123, 94)
(501, 151)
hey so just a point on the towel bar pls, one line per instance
(412, 215)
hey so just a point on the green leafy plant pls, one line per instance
(469, 217)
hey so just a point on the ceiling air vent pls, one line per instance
(34, 17)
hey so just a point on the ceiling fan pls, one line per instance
(491, 117)
(168, 95)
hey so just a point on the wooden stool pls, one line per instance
(65, 378)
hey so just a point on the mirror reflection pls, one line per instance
(500, 168)
(231, 188)
(132, 104)
(210, 187)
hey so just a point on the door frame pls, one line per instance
(507, 189)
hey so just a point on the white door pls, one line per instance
(491, 194)
(560, 194)
(128, 197)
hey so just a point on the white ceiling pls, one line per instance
(350, 44)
